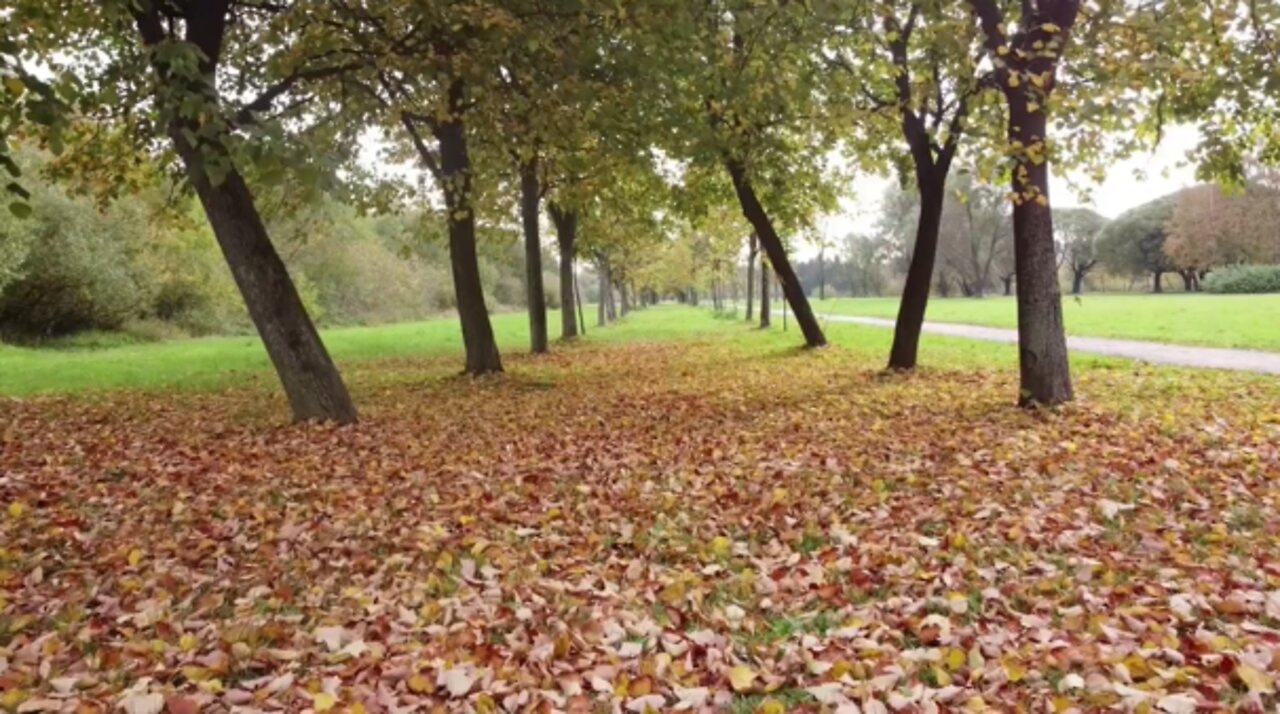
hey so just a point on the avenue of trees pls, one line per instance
(657, 141)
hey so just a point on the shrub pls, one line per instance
(1244, 279)
(77, 272)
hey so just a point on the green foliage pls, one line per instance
(69, 268)
(1244, 279)
(1133, 244)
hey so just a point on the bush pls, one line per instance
(77, 272)
(1244, 279)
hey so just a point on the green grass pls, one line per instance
(1242, 321)
(212, 363)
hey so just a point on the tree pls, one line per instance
(184, 49)
(760, 117)
(1212, 227)
(973, 233)
(1133, 243)
(1078, 230)
(1026, 67)
(917, 62)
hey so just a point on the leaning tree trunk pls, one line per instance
(1042, 342)
(535, 296)
(311, 381)
(455, 167)
(915, 293)
(755, 214)
(752, 251)
(766, 312)
(624, 296)
(566, 236)
(577, 298)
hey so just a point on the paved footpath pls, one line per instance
(1180, 355)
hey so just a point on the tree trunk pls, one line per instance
(1188, 280)
(535, 297)
(311, 381)
(566, 236)
(915, 293)
(577, 298)
(1042, 341)
(765, 310)
(455, 167)
(755, 214)
(1077, 281)
(1157, 285)
(752, 251)
(624, 297)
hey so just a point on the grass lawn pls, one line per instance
(678, 513)
(210, 363)
(1244, 321)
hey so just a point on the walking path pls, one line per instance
(1180, 355)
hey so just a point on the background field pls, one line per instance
(1242, 321)
(211, 363)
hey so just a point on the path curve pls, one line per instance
(1157, 352)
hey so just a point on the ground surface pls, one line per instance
(219, 362)
(1240, 321)
(711, 521)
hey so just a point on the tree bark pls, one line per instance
(455, 167)
(752, 251)
(755, 214)
(310, 380)
(1042, 342)
(577, 297)
(535, 296)
(1157, 285)
(1077, 281)
(566, 236)
(1008, 285)
(624, 297)
(765, 310)
(915, 292)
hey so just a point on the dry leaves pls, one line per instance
(646, 528)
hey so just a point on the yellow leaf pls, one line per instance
(771, 706)
(16, 508)
(1013, 80)
(135, 557)
(323, 702)
(720, 546)
(1050, 27)
(741, 678)
(1014, 671)
(1040, 199)
(419, 684)
(1258, 682)
(188, 642)
(955, 658)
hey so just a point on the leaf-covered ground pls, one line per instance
(666, 526)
